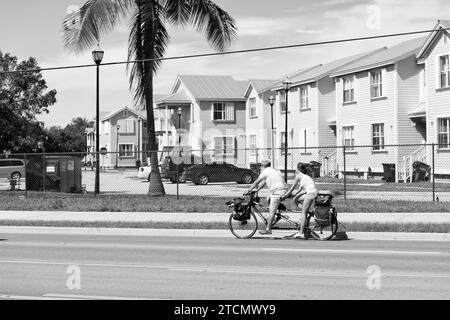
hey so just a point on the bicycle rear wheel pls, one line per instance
(322, 231)
(243, 229)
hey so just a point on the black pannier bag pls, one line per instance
(324, 216)
(323, 200)
(241, 210)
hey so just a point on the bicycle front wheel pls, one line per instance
(243, 229)
(322, 231)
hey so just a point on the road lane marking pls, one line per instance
(181, 247)
(353, 251)
(91, 297)
(202, 269)
(19, 297)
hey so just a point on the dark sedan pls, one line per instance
(219, 172)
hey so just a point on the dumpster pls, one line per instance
(315, 169)
(421, 171)
(58, 173)
(389, 172)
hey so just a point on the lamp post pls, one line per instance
(179, 111)
(117, 144)
(41, 145)
(287, 85)
(97, 56)
(271, 102)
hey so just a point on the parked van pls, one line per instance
(12, 168)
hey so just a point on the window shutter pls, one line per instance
(438, 72)
(302, 139)
(229, 111)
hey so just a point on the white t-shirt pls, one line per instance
(273, 178)
(306, 183)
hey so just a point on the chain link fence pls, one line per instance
(395, 172)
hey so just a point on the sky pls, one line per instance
(33, 28)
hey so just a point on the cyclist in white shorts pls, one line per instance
(307, 193)
(274, 181)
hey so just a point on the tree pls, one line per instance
(23, 95)
(71, 138)
(148, 41)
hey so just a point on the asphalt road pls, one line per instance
(152, 267)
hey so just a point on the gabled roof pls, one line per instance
(326, 69)
(383, 58)
(441, 24)
(259, 85)
(206, 87)
(418, 111)
(179, 97)
(279, 83)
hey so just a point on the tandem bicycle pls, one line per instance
(321, 221)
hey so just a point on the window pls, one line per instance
(446, 38)
(376, 87)
(252, 107)
(282, 142)
(282, 101)
(444, 71)
(125, 113)
(126, 126)
(444, 133)
(223, 111)
(224, 146)
(252, 142)
(349, 91)
(126, 150)
(304, 98)
(378, 136)
(349, 137)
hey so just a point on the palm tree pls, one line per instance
(147, 41)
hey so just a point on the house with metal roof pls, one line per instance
(208, 114)
(259, 121)
(311, 114)
(434, 110)
(123, 133)
(379, 103)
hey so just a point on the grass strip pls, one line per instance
(169, 203)
(349, 227)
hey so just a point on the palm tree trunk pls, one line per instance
(156, 187)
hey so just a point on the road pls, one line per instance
(49, 266)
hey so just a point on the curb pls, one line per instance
(386, 236)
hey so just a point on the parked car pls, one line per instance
(12, 168)
(219, 172)
(169, 168)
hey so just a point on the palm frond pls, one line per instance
(177, 11)
(218, 26)
(82, 29)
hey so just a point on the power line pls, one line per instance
(229, 52)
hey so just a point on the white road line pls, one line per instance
(18, 297)
(271, 271)
(218, 248)
(90, 297)
(391, 252)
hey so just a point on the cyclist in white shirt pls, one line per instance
(274, 181)
(307, 192)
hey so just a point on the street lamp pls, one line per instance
(117, 149)
(271, 102)
(41, 145)
(287, 85)
(179, 111)
(97, 56)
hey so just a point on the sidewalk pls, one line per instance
(439, 218)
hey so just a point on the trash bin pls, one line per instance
(421, 171)
(389, 172)
(315, 169)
